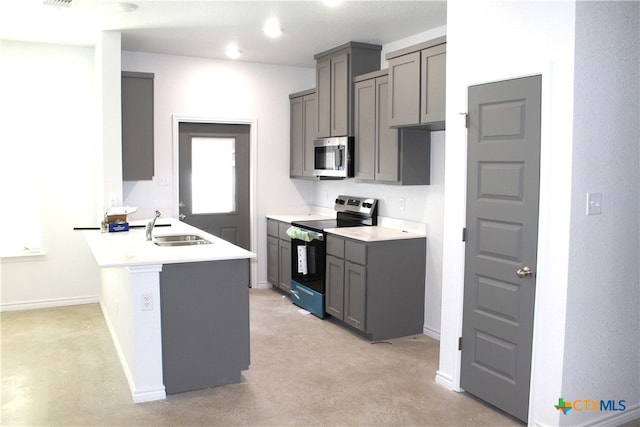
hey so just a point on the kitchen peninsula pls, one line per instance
(178, 315)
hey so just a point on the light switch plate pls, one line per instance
(594, 203)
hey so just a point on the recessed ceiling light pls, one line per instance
(272, 28)
(125, 7)
(233, 51)
(59, 3)
(332, 3)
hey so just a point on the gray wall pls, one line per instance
(602, 351)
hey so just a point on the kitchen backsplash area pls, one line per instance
(419, 203)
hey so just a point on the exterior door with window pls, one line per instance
(214, 165)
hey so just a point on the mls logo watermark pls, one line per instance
(581, 405)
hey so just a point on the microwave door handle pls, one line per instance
(338, 158)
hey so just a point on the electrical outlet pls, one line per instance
(147, 302)
(401, 203)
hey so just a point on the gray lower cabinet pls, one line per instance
(137, 126)
(273, 263)
(284, 274)
(303, 108)
(205, 323)
(376, 288)
(417, 79)
(355, 295)
(278, 255)
(384, 154)
(334, 295)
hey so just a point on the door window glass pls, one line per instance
(213, 175)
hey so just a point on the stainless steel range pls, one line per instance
(308, 249)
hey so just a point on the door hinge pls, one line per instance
(466, 119)
(464, 234)
(460, 343)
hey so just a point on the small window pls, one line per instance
(20, 216)
(213, 175)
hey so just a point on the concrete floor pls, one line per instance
(59, 367)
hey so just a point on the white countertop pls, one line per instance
(129, 248)
(387, 228)
(289, 218)
(375, 233)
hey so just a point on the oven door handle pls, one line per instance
(303, 234)
(303, 290)
(295, 292)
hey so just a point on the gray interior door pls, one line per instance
(503, 168)
(214, 166)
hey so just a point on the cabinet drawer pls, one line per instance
(272, 227)
(355, 252)
(335, 246)
(307, 298)
(282, 230)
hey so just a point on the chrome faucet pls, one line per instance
(152, 223)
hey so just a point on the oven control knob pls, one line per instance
(366, 205)
(340, 201)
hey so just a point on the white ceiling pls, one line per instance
(204, 28)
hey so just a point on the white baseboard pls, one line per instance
(444, 380)
(141, 396)
(618, 418)
(116, 344)
(58, 302)
(263, 285)
(138, 395)
(432, 333)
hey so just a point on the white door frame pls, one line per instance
(545, 378)
(253, 167)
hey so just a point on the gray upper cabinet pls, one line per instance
(384, 154)
(303, 107)
(137, 126)
(335, 70)
(433, 71)
(364, 128)
(417, 78)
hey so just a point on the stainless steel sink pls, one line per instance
(180, 240)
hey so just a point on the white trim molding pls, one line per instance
(50, 303)
(253, 170)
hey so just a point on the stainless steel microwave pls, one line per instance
(333, 157)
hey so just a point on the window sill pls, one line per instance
(23, 255)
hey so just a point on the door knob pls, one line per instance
(182, 216)
(525, 271)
